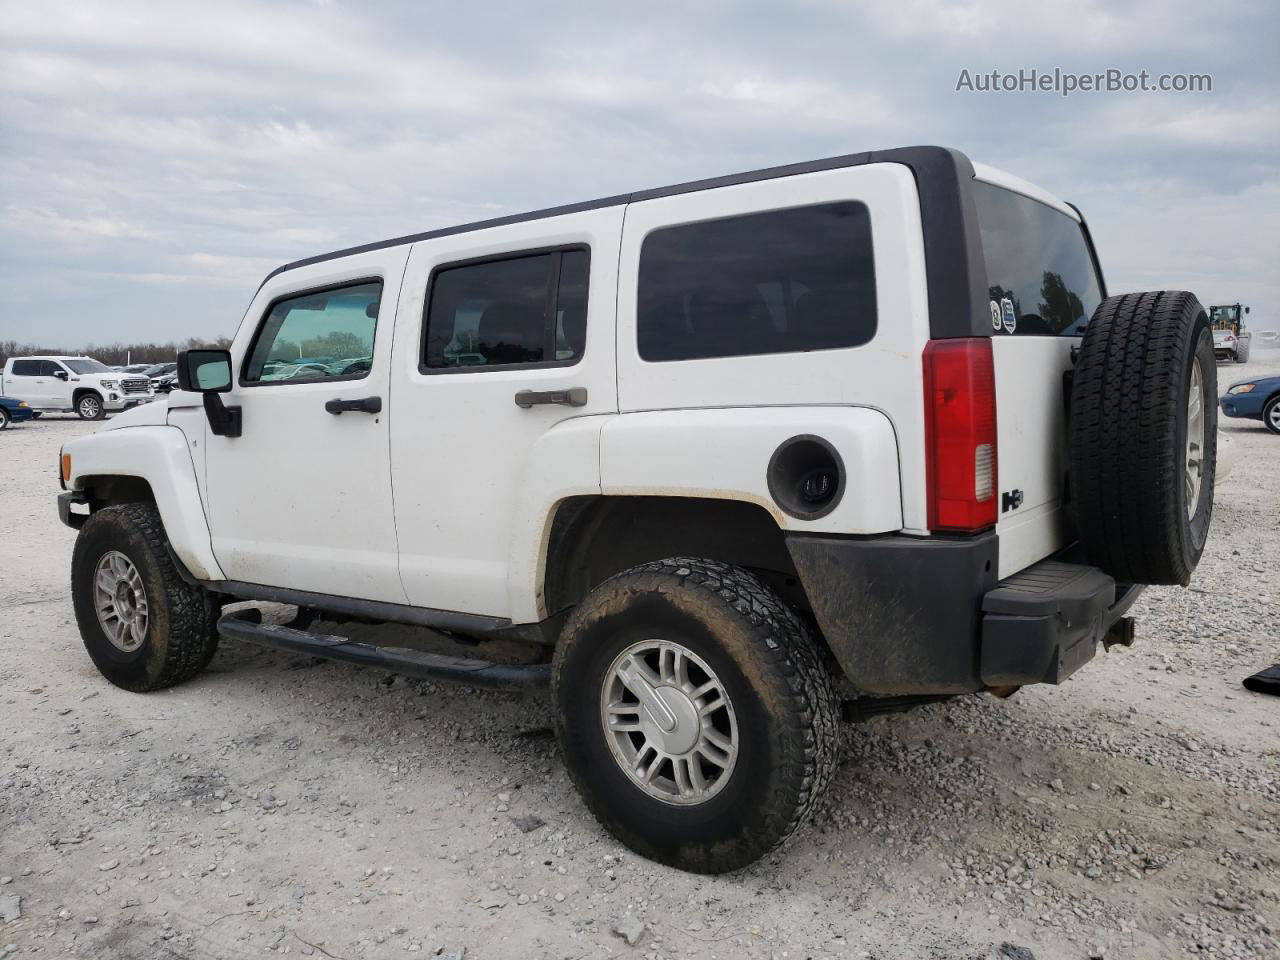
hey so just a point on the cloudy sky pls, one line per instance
(157, 159)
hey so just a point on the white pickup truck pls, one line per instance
(73, 384)
(728, 459)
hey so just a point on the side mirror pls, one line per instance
(204, 371)
(208, 372)
(60, 374)
(1246, 309)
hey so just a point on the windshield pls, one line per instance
(87, 365)
(1040, 274)
(1224, 318)
(160, 369)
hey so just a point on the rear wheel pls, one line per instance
(144, 627)
(694, 713)
(1271, 414)
(89, 407)
(1143, 436)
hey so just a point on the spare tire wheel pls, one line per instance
(1144, 436)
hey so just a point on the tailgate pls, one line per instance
(1031, 437)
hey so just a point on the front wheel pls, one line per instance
(694, 713)
(145, 628)
(4, 418)
(1271, 414)
(89, 407)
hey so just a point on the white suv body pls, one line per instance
(842, 388)
(73, 384)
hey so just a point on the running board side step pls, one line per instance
(248, 625)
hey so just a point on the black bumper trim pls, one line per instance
(73, 520)
(902, 615)
(1043, 624)
(925, 615)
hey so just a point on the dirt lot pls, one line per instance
(279, 804)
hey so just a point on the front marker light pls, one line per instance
(1241, 388)
(64, 469)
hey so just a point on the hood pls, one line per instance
(153, 414)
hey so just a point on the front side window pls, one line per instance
(323, 335)
(513, 311)
(783, 281)
(1040, 273)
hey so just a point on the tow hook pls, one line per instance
(1121, 633)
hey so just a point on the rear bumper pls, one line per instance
(906, 615)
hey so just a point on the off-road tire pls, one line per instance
(4, 418)
(1128, 436)
(1271, 414)
(772, 671)
(181, 634)
(89, 406)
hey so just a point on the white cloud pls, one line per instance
(151, 150)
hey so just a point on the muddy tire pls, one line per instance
(694, 713)
(89, 406)
(1143, 436)
(144, 626)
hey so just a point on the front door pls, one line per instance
(302, 498)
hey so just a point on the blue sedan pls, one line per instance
(1254, 400)
(14, 411)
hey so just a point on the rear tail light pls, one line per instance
(960, 434)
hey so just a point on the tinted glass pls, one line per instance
(26, 368)
(1040, 276)
(502, 312)
(51, 368)
(317, 336)
(87, 365)
(776, 282)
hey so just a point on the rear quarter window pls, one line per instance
(779, 281)
(1040, 274)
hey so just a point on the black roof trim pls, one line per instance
(953, 251)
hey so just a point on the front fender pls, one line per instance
(159, 455)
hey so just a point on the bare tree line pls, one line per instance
(114, 354)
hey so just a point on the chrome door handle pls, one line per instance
(363, 405)
(572, 397)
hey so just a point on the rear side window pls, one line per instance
(26, 368)
(516, 311)
(321, 335)
(1040, 274)
(783, 281)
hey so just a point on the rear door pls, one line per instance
(25, 382)
(1043, 287)
(490, 317)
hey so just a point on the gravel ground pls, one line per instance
(279, 804)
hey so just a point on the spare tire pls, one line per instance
(1144, 436)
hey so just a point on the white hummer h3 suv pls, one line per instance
(732, 460)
